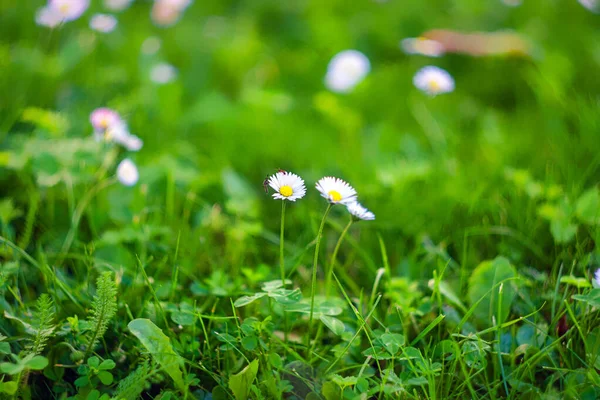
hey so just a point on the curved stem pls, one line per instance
(281, 258)
(314, 271)
(334, 258)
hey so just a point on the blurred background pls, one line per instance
(225, 92)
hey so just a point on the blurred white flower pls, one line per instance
(163, 73)
(127, 172)
(48, 16)
(359, 212)
(336, 190)
(117, 5)
(513, 3)
(151, 45)
(346, 70)
(433, 80)
(132, 143)
(591, 5)
(69, 10)
(423, 46)
(104, 23)
(287, 186)
(597, 278)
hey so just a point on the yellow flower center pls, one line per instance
(64, 8)
(335, 196)
(286, 191)
(434, 86)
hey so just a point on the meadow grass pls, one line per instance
(177, 277)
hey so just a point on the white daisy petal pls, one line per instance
(127, 172)
(335, 190)
(346, 70)
(287, 186)
(103, 23)
(360, 212)
(433, 80)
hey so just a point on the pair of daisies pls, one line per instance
(289, 186)
(109, 126)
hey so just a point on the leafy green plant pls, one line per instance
(104, 308)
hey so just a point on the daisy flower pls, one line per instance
(48, 16)
(103, 118)
(433, 80)
(127, 172)
(346, 70)
(104, 23)
(117, 5)
(69, 10)
(591, 5)
(423, 46)
(359, 212)
(287, 186)
(335, 190)
(163, 73)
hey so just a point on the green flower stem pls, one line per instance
(314, 272)
(334, 258)
(281, 258)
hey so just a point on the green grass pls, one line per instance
(474, 281)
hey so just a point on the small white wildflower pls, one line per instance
(69, 10)
(597, 278)
(346, 70)
(287, 186)
(48, 16)
(513, 3)
(132, 143)
(117, 5)
(433, 80)
(163, 73)
(591, 5)
(423, 46)
(104, 23)
(127, 172)
(336, 190)
(360, 212)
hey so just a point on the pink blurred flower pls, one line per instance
(104, 118)
(70, 10)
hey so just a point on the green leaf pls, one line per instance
(93, 395)
(36, 362)
(275, 360)
(587, 208)
(245, 300)
(484, 285)
(563, 230)
(592, 298)
(249, 343)
(331, 391)
(8, 387)
(10, 368)
(4, 348)
(93, 362)
(241, 383)
(392, 342)
(185, 316)
(334, 324)
(575, 281)
(159, 345)
(82, 381)
(285, 296)
(105, 377)
(106, 365)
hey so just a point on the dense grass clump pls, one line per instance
(430, 219)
